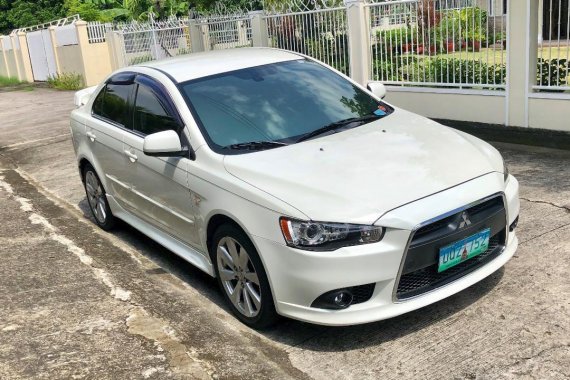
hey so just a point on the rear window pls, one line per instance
(112, 103)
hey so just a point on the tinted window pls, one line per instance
(98, 102)
(150, 114)
(277, 102)
(113, 103)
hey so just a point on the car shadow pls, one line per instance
(296, 334)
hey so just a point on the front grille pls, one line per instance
(426, 279)
(419, 272)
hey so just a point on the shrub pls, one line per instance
(66, 81)
(443, 70)
(465, 24)
(400, 68)
(552, 72)
(396, 37)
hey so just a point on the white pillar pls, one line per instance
(196, 37)
(116, 44)
(26, 62)
(358, 41)
(259, 29)
(522, 48)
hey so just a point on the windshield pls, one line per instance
(277, 103)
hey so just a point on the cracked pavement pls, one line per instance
(78, 302)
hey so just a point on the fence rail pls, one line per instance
(436, 43)
(97, 31)
(321, 34)
(459, 44)
(554, 47)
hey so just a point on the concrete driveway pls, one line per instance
(79, 302)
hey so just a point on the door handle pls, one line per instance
(91, 136)
(133, 157)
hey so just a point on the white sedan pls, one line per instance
(301, 191)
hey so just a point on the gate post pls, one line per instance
(196, 39)
(358, 41)
(522, 49)
(54, 48)
(116, 46)
(27, 73)
(258, 29)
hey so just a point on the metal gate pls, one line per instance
(41, 54)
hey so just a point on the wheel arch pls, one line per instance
(83, 162)
(220, 218)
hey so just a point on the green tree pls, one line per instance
(24, 13)
(87, 11)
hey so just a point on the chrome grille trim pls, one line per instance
(395, 298)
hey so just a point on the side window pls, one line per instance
(98, 103)
(113, 103)
(150, 114)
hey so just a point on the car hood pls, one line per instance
(357, 175)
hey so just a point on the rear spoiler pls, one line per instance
(82, 97)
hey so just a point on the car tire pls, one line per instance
(97, 199)
(242, 278)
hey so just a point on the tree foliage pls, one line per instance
(22, 13)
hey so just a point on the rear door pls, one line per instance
(108, 126)
(159, 184)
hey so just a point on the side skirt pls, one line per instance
(181, 249)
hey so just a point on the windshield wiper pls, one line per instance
(338, 124)
(256, 145)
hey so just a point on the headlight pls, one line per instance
(327, 236)
(505, 170)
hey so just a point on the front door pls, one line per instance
(159, 184)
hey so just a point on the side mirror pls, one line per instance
(163, 144)
(377, 89)
(81, 97)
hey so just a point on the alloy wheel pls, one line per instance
(238, 276)
(96, 197)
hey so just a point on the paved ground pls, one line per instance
(81, 303)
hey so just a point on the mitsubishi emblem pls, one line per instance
(465, 220)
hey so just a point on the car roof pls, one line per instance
(203, 64)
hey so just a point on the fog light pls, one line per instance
(343, 299)
(334, 300)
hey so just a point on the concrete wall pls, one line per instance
(549, 113)
(483, 107)
(69, 60)
(11, 60)
(97, 62)
(3, 65)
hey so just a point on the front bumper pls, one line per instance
(298, 277)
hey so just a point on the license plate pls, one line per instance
(458, 252)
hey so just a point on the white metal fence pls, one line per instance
(226, 32)
(96, 31)
(430, 43)
(436, 43)
(554, 47)
(321, 34)
(154, 40)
